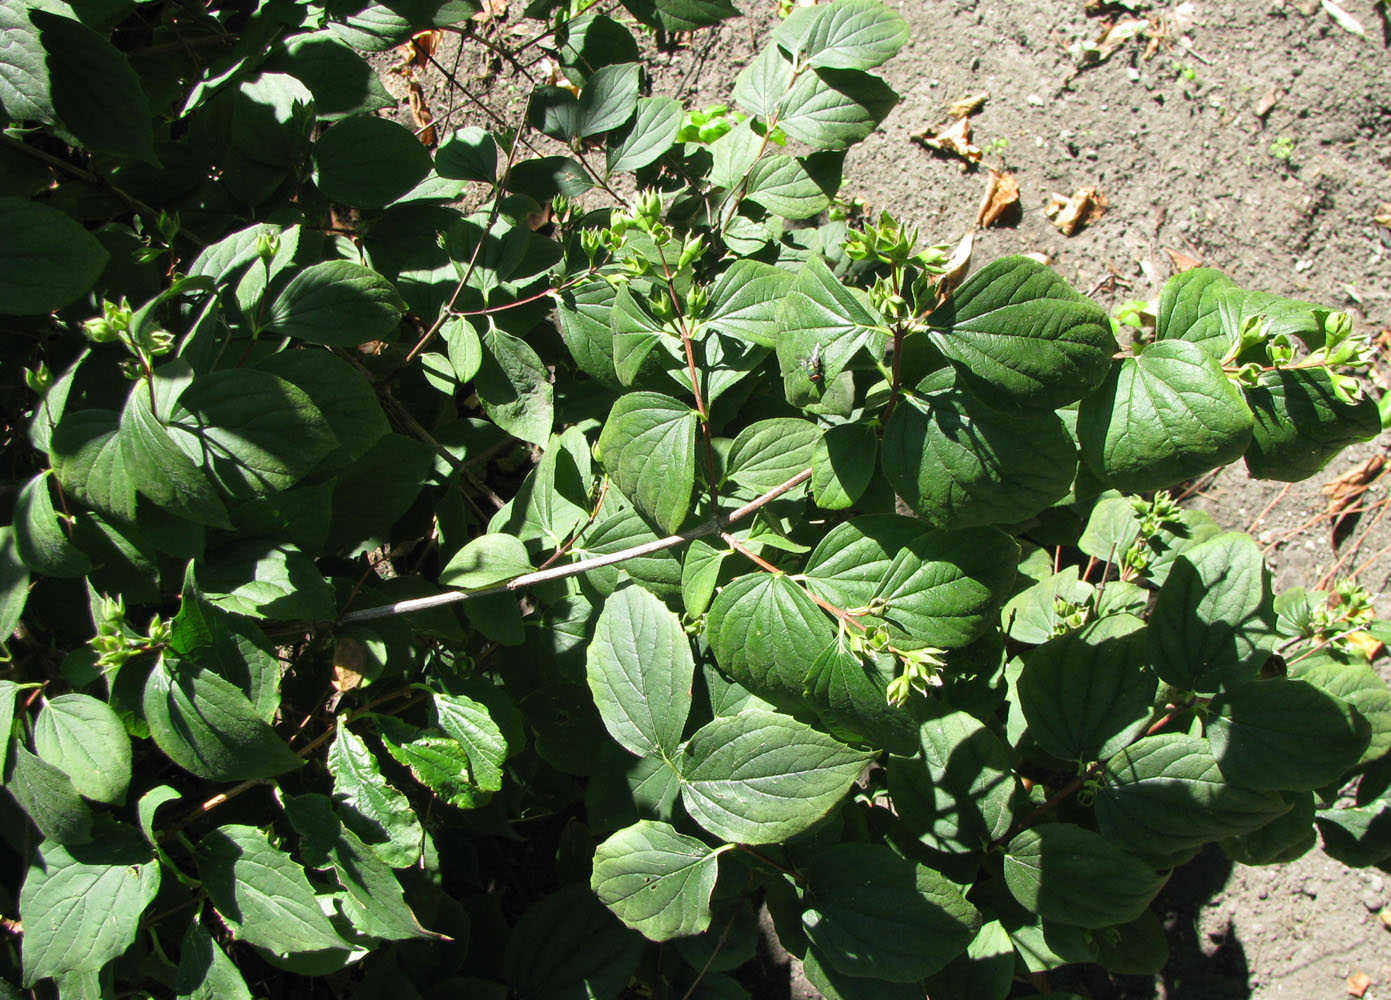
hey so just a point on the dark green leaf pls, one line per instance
(470, 723)
(14, 594)
(338, 303)
(342, 395)
(1190, 308)
(486, 560)
(372, 809)
(820, 317)
(55, 261)
(89, 460)
(608, 99)
(568, 947)
(24, 80)
(85, 739)
(368, 162)
(648, 447)
(47, 794)
(834, 108)
(849, 563)
(850, 34)
(41, 544)
(342, 82)
(650, 134)
(470, 154)
(1284, 839)
(765, 631)
(1075, 876)
(514, 387)
(851, 695)
(1358, 834)
(160, 470)
(1359, 685)
(205, 972)
(785, 186)
(745, 299)
(767, 453)
(843, 464)
(680, 15)
(269, 581)
(655, 880)
(1301, 423)
(545, 177)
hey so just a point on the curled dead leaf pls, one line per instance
(1365, 643)
(420, 114)
(957, 265)
(951, 140)
(968, 105)
(349, 663)
(1001, 201)
(492, 10)
(1086, 205)
(415, 54)
(1345, 490)
(1181, 261)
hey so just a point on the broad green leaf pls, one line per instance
(624, 789)
(1359, 685)
(769, 452)
(1285, 735)
(958, 463)
(40, 543)
(263, 895)
(514, 387)
(1164, 797)
(471, 724)
(1018, 333)
(547, 176)
(440, 763)
(821, 316)
(1163, 417)
(655, 880)
(852, 559)
(205, 972)
(786, 186)
(659, 572)
(553, 111)
(650, 134)
(843, 463)
(984, 972)
(47, 795)
(270, 121)
(745, 299)
(24, 80)
(640, 670)
(636, 334)
(470, 154)
(1112, 528)
(81, 906)
(1087, 694)
(374, 899)
(680, 15)
(89, 460)
(8, 691)
(14, 593)
(1358, 834)
(85, 739)
(275, 581)
(1033, 616)
(765, 631)
(762, 777)
(700, 574)
(1284, 839)
(732, 156)
(836, 985)
(233, 646)
(253, 432)
(762, 84)
(569, 947)
(1190, 308)
(371, 808)
(959, 794)
(872, 913)
(342, 82)
(1301, 423)
(834, 108)
(338, 303)
(484, 561)
(945, 588)
(648, 447)
(608, 99)
(160, 470)
(1139, 947)
(342, 395)
(1213, 622)
(95, 92)
(55, 262)
(850, 34)
(209, 727)
(1066, 873)
(850, 693)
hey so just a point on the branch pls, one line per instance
(711, 527)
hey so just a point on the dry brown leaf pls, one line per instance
(420, 114)
(1358, 984)
(1383, 216)
(1181, 261)
(349, 663)
(1117, 35)
(1268, 101)
(492, 10)
(1344, 491)
(968, 105)
(1086, 205)
(951, 140)
(1366, 644)
(956, 267)
(415, 54)
(1001, 201)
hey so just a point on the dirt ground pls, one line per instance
(1249, 135)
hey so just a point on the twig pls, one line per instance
(713, 526)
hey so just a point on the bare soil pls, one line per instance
(1249, 135)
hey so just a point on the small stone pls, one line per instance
(1372, 901)
(1035, 100)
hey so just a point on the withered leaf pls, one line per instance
(1086, 205)
(1001, 201)
(953, 139)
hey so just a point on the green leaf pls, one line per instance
(1285, 838)
(765, 630)
(95, 92)
(745, 299)
(205, 972)
(269, 581)
(850, 34)
(851, 696)
(1213, 622)
(872, 913)
(1033, 615)
(1285, 735)
(680, 15)
(984, 972)
(440, 763)
(945, 588)
(337, 303)
(640, 670)
(264, 896)
(767, 453)
(834, 108)
(85, 739)
(1018, 333)
(636, 333)
(608, 99)
(786, 186)
(14, 593)
(959, 795)
(843, 463)
(1358, 834)
(24, 80)
(1164, 797)
(160, 470)
(209, 727)
(1163, 417)
(650, 134)
(253, 432)
(1301, 423)
(41, 545)
(1075, 876)
(368, 162)
(371, 808)
(569, 947)
(486, 560)
(81, 906)
(342, 82)
(1359, 685)
(547, 176)
(849, 563)
(89, 460)
(471, 724)
(343, 396)
(959, 463)
(47, 794)
(55, 262)
(822, 316)
(470, 154)
(648, 447)
(761, 777)
(655, 880)
(514, 387)
(1086, 694)
(1190, 308)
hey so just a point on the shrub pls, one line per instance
(367, 625)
